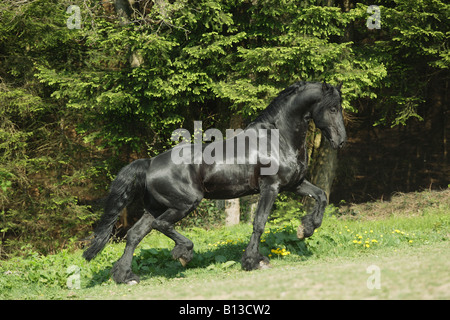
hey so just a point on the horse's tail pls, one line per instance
(129, 182)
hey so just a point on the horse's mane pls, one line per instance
(278, 102)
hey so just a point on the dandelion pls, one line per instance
(367, 245)
(410, 241)
(280, 252)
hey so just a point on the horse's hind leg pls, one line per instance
(312, 220)
(121, 272)
(183, 250)
(252, 258)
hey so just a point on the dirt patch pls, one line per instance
(404, 204)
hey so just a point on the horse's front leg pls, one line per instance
(312, 220)
(252, 259)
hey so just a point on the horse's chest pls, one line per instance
(294, 170)
(299, 172)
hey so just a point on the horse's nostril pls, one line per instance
(341, 145)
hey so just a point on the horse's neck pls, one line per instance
(293, 127)
(291, 120)
(295, 136)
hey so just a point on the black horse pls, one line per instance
(168, 192)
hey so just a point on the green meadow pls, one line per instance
(406, 239)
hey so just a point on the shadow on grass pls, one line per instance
(158, 262)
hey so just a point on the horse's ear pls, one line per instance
(324, 86)
(339, 86)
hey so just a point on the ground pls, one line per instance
(412, 273)
(381, 250)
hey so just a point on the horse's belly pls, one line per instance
(229, 181)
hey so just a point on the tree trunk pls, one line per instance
(232, 206)
(232, 212)
(325, 166)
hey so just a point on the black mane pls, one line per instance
(274, 107)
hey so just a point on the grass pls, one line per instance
(330, 264)
(419, 272)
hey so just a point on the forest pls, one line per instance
(87, 86)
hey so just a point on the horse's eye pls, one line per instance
(333, 109)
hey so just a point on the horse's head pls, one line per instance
(327, 115)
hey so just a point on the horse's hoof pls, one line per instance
(301, 232)
(183, 262)
(132, 282)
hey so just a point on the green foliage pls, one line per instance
(287, 207)
(414, 46)
(206, 215)
(40, 167)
